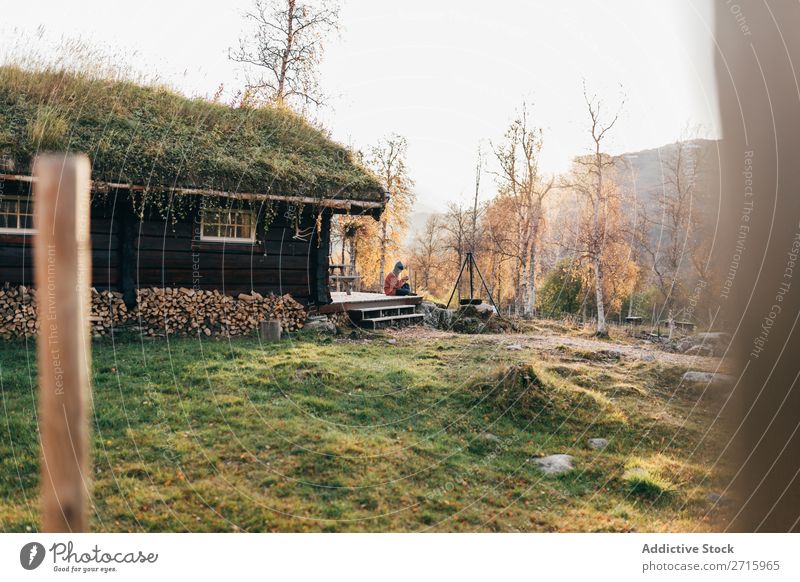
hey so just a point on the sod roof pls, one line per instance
(153, 137)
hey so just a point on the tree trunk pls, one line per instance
(280, 92)
(670, 324)
(598, 287)
(530, 308)
(352, 256)
(522, 293)
(383, 254)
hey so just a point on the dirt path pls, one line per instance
(549, 341)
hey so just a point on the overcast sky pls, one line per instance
(447, 74)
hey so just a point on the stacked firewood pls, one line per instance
(191, 312)
(108, 310)
(17, 312)
(160, 312)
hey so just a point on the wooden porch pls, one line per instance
(341, 301)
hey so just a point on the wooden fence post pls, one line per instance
(62, 260)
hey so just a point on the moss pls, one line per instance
(148, 135)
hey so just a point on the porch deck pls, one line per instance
(341, 301)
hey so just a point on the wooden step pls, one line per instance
(378, 312)
(390, 321)
(343, 302)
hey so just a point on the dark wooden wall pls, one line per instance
(16, 251)
(127, 253)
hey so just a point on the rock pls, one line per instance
(648, 358)
(470, 325)
(485, 308)
(391, 341)
(487, 436)
(554, 464)
(695, 377)
(514, 347)
(597, 443)
(435, 316)
(320, 324)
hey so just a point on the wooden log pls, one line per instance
(63, 271)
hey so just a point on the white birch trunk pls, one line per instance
(530, 307)
(598, 287)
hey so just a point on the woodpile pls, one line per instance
(191, 312)
(159, 312)
(108, 310)
(17, 312)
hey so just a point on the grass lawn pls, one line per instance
(317, 434)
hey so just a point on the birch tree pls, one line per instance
(427, 252)
(592, 179)
(282, 49)
(671, 239)
(521, 182)
(388, 160)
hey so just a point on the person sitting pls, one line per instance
(394, 284)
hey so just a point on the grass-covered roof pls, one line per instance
(150, 136)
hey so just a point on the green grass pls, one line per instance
(320, 435)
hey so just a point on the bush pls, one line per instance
(560, 294)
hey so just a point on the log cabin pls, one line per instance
(186, 192)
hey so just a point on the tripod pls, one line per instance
(473, 267)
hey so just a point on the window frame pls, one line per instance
(18, 230)
(228, 239)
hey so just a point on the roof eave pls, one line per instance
(335, 202)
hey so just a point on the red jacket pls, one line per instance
(391, 284)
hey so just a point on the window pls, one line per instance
(226, 225)
(16, 215)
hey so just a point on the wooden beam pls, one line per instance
(62, 252)
(329, 201)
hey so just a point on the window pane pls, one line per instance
(7, 221)
(8, 213)
(231, 224)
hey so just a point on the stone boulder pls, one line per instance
(481, 318)
(435, 316)
(597, 444)
(711, 379)
(554, 464)
(320, 324)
